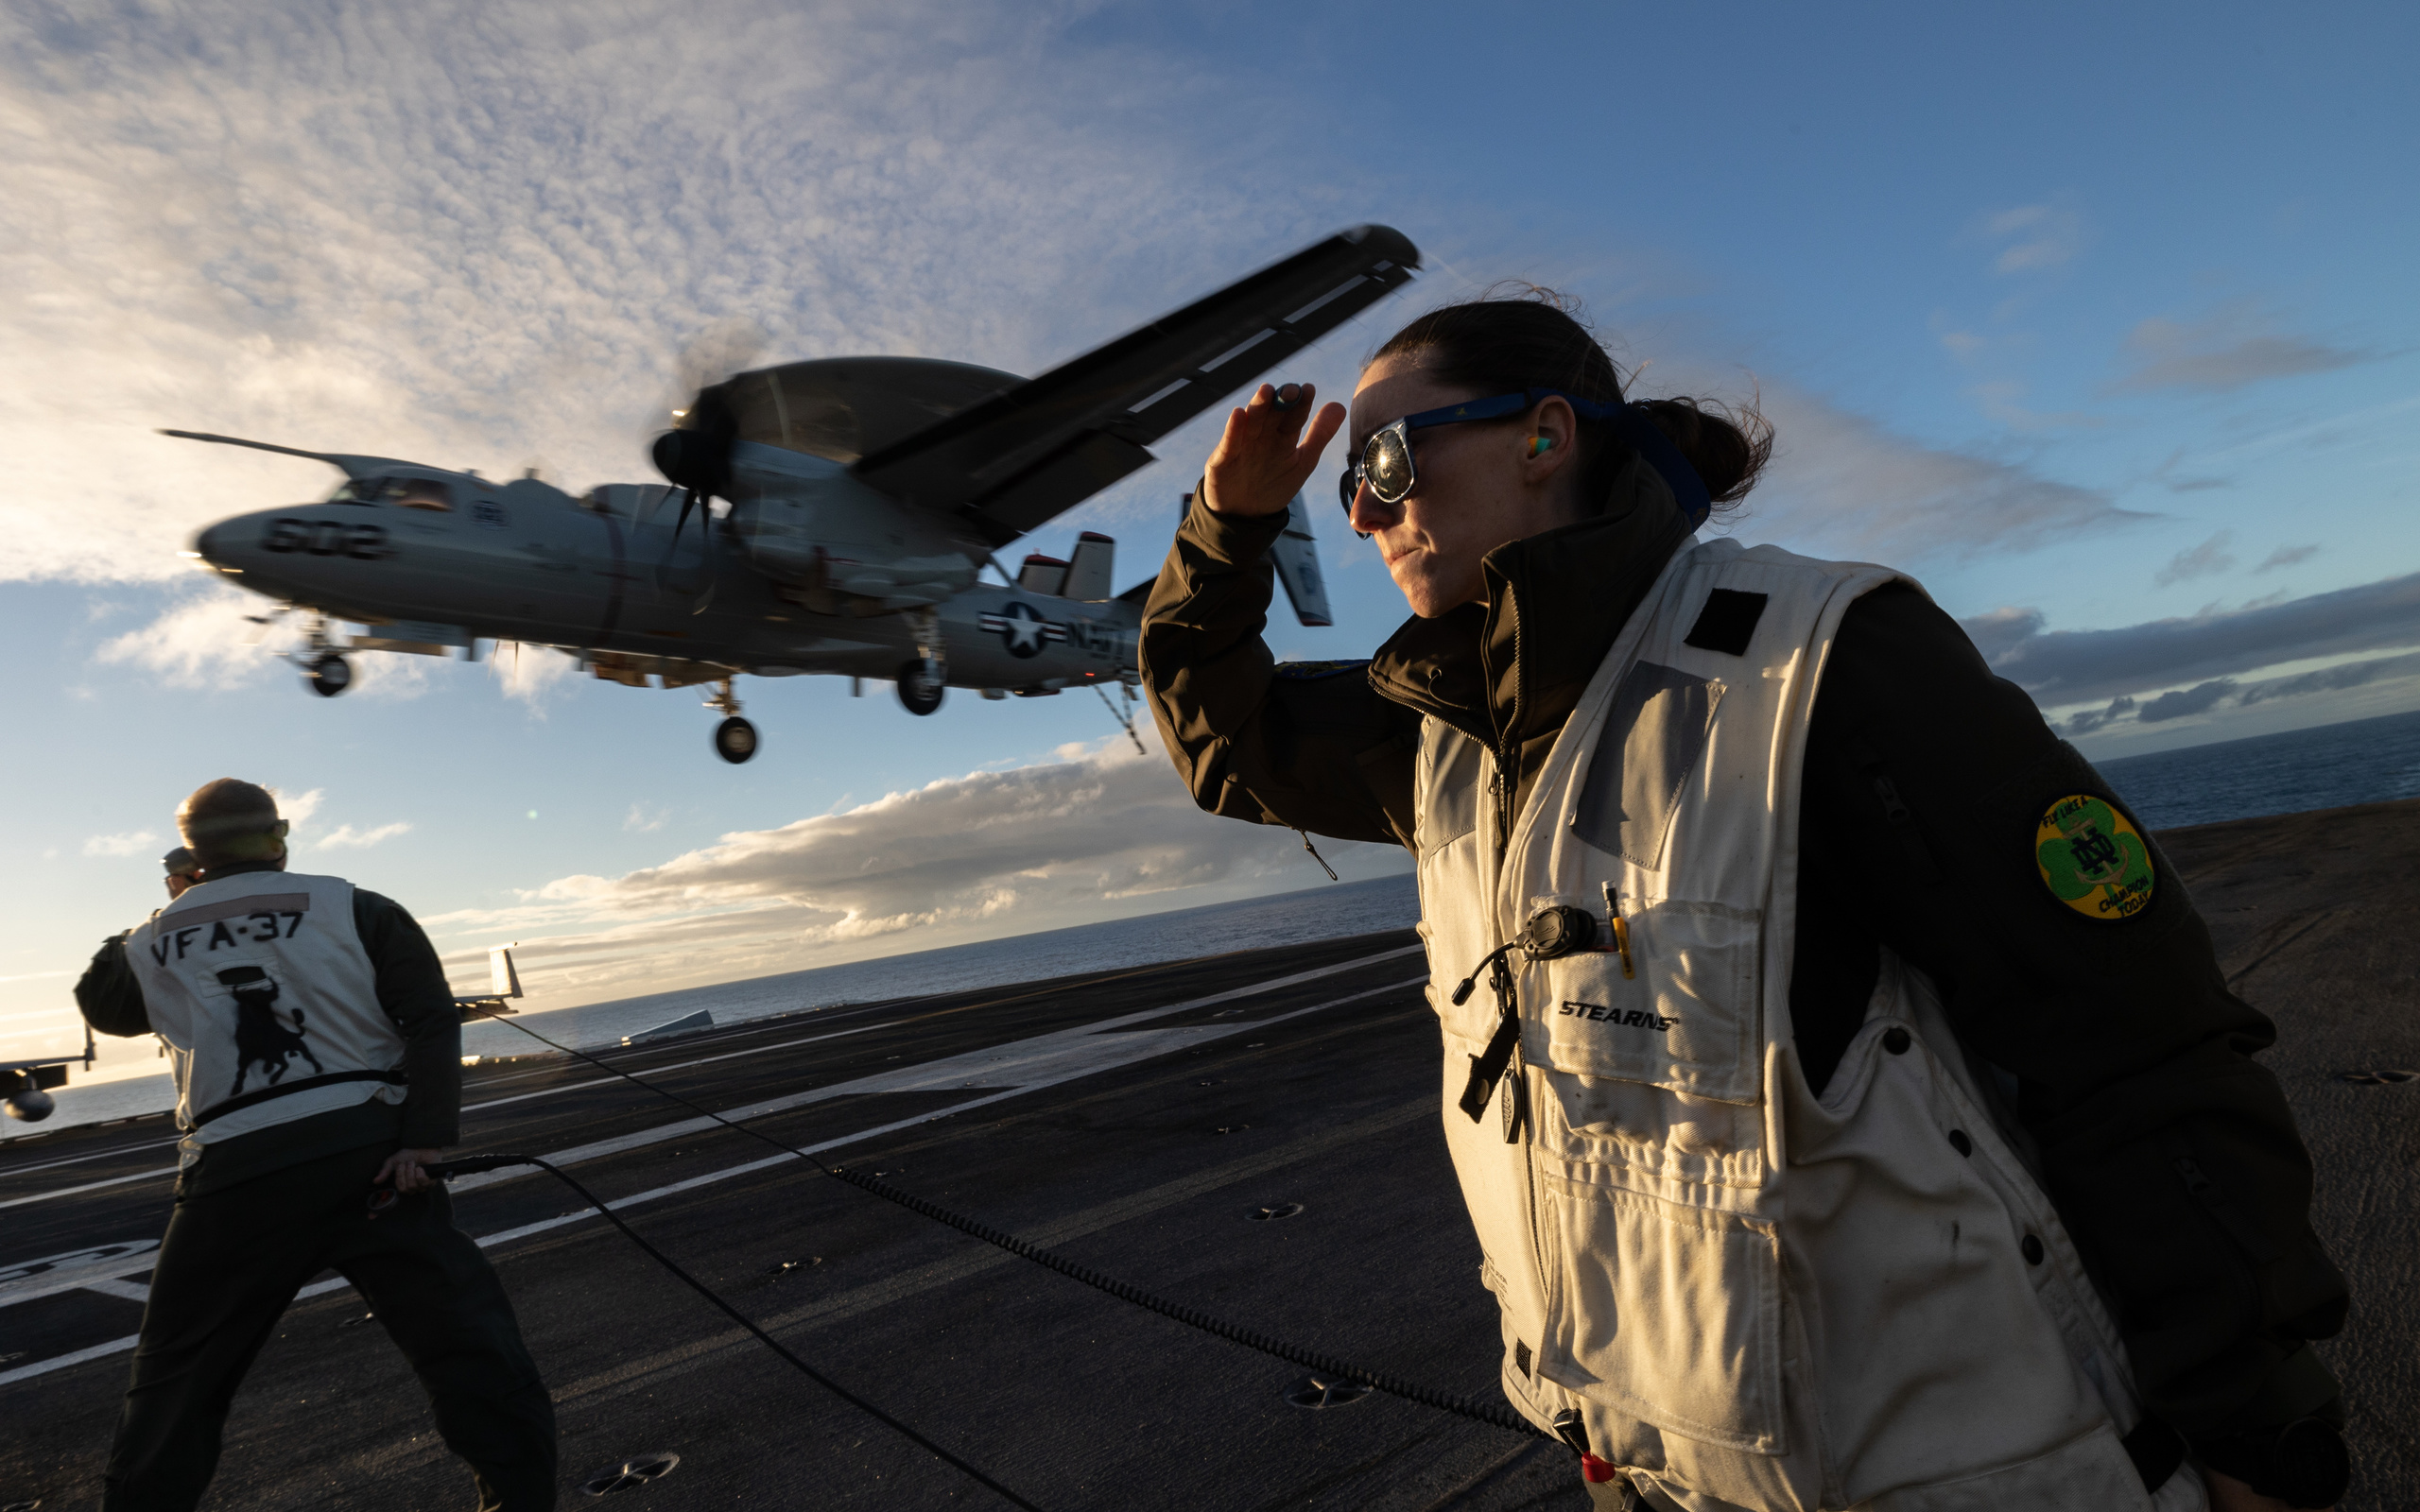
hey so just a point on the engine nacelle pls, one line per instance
(842, 548)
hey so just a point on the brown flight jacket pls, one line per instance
(2171, 1152)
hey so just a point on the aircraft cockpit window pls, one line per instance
(420, 494)
(402, 492)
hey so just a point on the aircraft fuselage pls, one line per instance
(607, 577)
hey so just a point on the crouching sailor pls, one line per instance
(317, 1053)
(1846, 1096)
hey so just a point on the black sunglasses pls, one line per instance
(1385, 457)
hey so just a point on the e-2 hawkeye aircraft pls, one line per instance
(863, 495)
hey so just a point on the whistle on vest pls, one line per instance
(1556, 930)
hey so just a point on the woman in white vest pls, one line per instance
(1843, 1088)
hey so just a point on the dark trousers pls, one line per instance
(230, 1263)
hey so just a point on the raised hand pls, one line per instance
(1264, 459)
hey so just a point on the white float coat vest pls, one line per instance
(1755, 1296)
(269, 1003)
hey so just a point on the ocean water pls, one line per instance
(2328, 766)
(2366, 761)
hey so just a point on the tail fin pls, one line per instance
(502, 979)
(1089, 567)
(1296, 556)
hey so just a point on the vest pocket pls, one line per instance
(1667, 1314)
(1685, 1019)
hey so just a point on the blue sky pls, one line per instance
(2101, 326)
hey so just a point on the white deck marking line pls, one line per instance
(1146, 1046)
(678, 1065)
(125, 1290)
(78, 1159)
(598, 1081)
(52, 1274)
(90, 1186)
(1016, 1065)
(779, 1105)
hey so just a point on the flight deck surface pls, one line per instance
(1127, 1121)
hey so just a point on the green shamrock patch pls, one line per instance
(2092, 860)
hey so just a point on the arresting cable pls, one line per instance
(1495, 1416)
(445, 1170)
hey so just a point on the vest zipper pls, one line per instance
(1516, 1074)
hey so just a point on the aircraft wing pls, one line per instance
(1013, 461)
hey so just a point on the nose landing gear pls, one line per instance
(328, 675)
(735, 738)
(325, 671)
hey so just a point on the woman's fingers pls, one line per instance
(1324, 426)
(1262, 457)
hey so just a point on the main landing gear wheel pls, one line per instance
(329, 676)
(919, 690)
(734, 740)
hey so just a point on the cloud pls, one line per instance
(1840, 482)
(208, 637)
(2287, 557)
(2229, 350)
(345, 837)
(2038, 237)
(2183, 702)
(2077, 666)
(127, 844)
(2207, 559)
(473, 233)
(533, 674)
(2092, 719)
(1999, 400)
(990, 852)
(201, 639)
(643, 821)
(2001, 629)
(2178, 703)
(2333, 679)
(297, 808)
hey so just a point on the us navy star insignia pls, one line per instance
(1022, 628)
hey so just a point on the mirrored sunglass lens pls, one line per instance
(1347, 486)
(1387, 463)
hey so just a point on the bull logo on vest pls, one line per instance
(261, 1038)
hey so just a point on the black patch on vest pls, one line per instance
(1655, 734)
(1727, 622)
(1521, 1356)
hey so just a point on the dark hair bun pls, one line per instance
(1728, 447)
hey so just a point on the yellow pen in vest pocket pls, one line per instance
(1619, 928)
